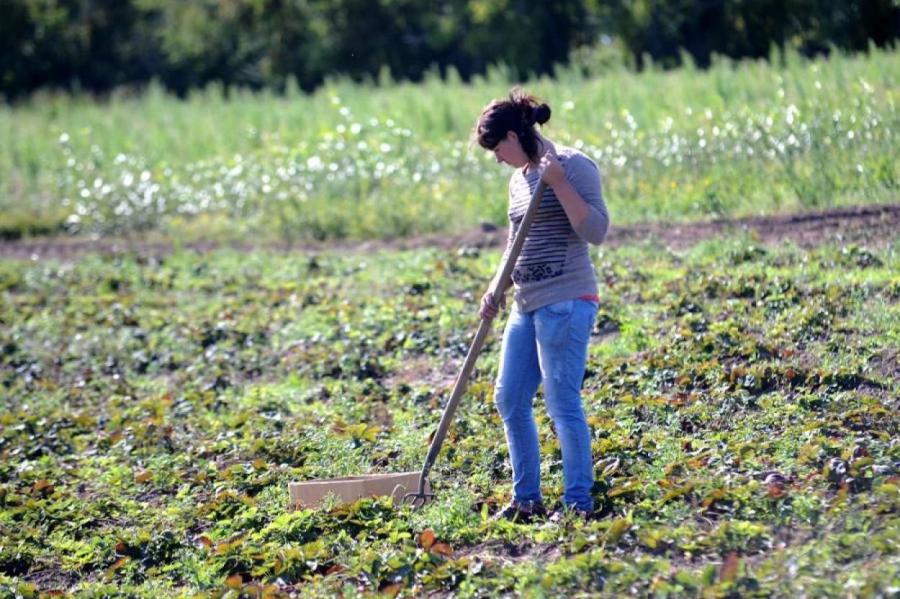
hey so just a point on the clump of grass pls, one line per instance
(18, 223)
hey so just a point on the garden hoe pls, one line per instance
(349, 489)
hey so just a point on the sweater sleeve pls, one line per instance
(584, 176)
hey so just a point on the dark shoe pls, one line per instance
(568, 513)
(521, 511)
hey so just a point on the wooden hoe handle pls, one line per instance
(483, 328)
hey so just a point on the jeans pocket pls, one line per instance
(563, 308)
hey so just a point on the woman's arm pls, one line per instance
(578, 191)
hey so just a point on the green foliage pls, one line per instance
(265, 43)
(671, 32)
(102, 44)
(361, 161)
(154, 410)
(16, 224)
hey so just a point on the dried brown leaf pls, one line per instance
(116, 566)
(729, 568)
(427, 538)
(442, 549)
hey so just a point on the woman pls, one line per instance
(546, 336)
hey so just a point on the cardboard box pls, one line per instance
(312, 493)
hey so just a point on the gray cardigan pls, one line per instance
(555, 262)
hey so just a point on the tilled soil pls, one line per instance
(874, 225)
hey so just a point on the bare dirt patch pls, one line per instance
(421, 371)
(886, 364)
(505, 553)
(874, 225)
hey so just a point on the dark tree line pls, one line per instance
(749, 28)
(97, 45)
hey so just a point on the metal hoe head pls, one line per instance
(419, 497)
(417, 500)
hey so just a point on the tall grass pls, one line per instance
(393, 159)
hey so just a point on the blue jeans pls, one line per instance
(549, 346)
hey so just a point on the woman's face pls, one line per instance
(509, 151)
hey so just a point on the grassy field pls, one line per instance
(355, 161)
(742, 401)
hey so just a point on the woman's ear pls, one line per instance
(512, 136)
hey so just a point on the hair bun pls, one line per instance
(519, 113)
(541, 114)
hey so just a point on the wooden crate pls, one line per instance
(311, 493)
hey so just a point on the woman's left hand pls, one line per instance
(551, 170)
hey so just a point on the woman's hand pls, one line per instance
(488, 308)
(551, 170)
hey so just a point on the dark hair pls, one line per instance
(519, 112)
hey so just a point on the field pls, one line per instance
(393, 160)
(742, 399)
(244, 315)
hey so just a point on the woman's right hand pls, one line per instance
(489, 309)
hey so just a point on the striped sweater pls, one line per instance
(555, 262)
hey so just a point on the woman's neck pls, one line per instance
(544, 145)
